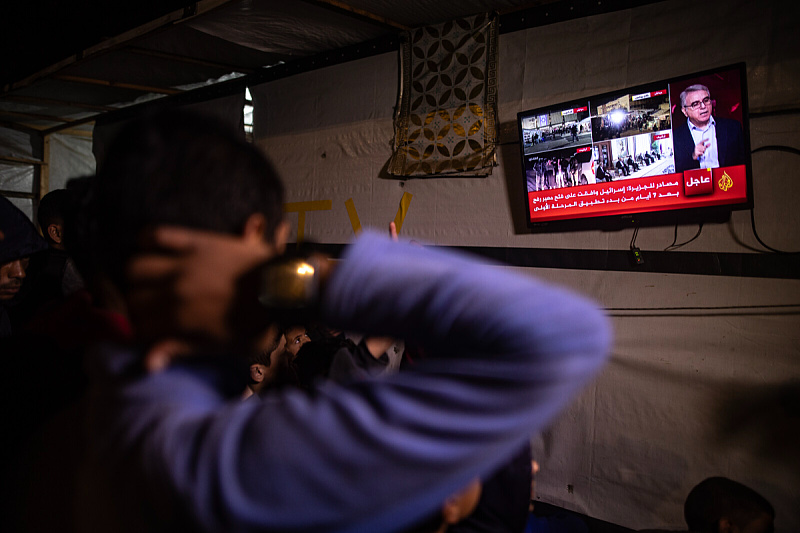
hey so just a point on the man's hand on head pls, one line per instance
(199, 287)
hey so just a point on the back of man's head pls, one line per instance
(20, 236)
(718, 503)
(182, 169)
(54, 208)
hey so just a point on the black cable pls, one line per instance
(674, 239)
(775, 112)
(762, 243)
(633, 238)
(674, 246)
(775, 148)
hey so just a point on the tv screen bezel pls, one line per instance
(659, 217)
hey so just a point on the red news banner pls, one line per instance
(652, 193)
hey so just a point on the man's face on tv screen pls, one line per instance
(700, 114)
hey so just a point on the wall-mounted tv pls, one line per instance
(671, 151)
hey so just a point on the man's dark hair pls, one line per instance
(55, 207)
(693, 88)
(177, 168)
(719, 497)
(52, 208)
(264, 357)
(21, 238)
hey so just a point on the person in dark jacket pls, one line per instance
(20, 242)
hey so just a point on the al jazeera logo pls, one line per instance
(725, 182)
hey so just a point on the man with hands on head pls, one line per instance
(169, 446)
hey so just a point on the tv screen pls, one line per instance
(670, 151)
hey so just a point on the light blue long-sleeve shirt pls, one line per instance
(173, 451)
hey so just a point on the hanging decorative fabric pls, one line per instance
(446, 118)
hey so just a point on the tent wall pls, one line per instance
(67, 156)
(70, 157)
(17, 177)
(630, 448)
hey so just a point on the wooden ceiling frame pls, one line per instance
(76, 133)
(20, 160)
(187, 59)
(116, 84)
(198, 8)
(541, 11)
(18, 194)
(34, 116)
(346, 9)
(30, 129)
(51, 101)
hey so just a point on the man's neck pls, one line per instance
(701, 126)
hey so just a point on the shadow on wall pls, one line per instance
(765, 421)
(508, 146)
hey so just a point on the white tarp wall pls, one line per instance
(13, 176)
(70, 157)
(650, 427)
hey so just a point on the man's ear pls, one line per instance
(256, 374)
(255, 228)
(55, 234)
(451, 511)
(281, 236)
(683, 110)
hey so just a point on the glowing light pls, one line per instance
(305, 269)
(617, 117)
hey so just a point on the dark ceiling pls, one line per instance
(38, 33)
(68, 62)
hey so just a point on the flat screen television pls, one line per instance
(671, 151)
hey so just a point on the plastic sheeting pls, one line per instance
(15, 143)
(286, 28)
(70, 157)
(654, 423)
(16, 177)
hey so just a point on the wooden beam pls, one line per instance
(70, 125)
(44, 169)
(35, 116)
(185, 59)
(21, 160)
(116, 84)
(180, 15)
(76, 133)
(30, 129)
(51, 101)
(341, 6)
(17, 194)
